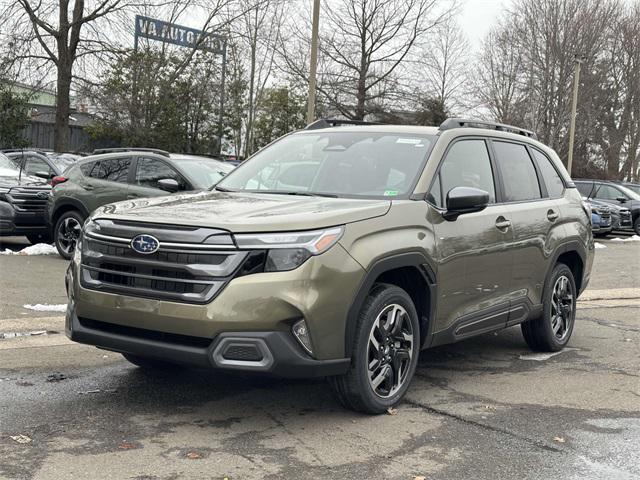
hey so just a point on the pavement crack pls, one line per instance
(484, 426)
(618, 326)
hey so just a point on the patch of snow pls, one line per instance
(541, 357)
(600, 245)
(39, 307)
(633, 238)
(37, 249)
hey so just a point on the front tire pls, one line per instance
(66, 233)
(385, 353)
(552, 331)
(636, 226)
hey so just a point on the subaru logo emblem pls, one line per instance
(145, 244)
(42, 195)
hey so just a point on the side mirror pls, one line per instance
(461, 200)
(44, 175)
(622, 199)
(168, 185)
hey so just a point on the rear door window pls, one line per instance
(150, 170)
(518, 173)
(466, 164)
(111, 170)
(552, 180)
(584, 188)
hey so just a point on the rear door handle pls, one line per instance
(552, 215)
(88, 186)
(502, 223)
(133, 195)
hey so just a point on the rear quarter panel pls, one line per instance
(577, 227)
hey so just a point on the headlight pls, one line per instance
(586, 206)
(4, 191)
(287, 251)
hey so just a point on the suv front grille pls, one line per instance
(29, 199)
(625, 218)
(188, 271)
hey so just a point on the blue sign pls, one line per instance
(179, 35)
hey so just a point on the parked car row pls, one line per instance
(47, 198)
(616, 200)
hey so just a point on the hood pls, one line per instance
(614, 207)
(246, 212)
(9, 178)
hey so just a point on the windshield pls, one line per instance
(635, 189)
(204, 173)
(6, 164)
(629, 193)
(345, 164)
(61, 162)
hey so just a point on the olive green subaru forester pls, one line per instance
(341, 251)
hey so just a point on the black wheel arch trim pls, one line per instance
(567, 247)
(68, 202)
(408, 259)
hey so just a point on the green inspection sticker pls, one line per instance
(390, 193)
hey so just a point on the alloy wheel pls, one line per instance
(68, 233)
(390, 350)
(562, 308)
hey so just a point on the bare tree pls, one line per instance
(499, 79)
(525, 76)
(446, 65)
(258, 29)
(363, 45)
(59, 33)
(57, 28)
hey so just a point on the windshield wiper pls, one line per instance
(222, 189)
(300, 193)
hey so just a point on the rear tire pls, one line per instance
(385, 352)
(636, 226)
(66, 233)
(552, 331)
(147, 363)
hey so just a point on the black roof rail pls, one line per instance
(26, 149)
(336, 122)
(450, 123)
(99, 151)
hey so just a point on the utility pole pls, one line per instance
(574, 107)
(311, 107)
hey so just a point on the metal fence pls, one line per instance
(40, 135)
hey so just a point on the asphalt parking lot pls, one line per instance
(486, 408)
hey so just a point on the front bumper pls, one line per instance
(13, 222)
(257, 309)
(275, 353)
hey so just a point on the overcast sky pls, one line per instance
(478, 16)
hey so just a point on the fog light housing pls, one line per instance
(301, 332)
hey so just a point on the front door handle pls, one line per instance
(133, 195)
(502, 223)
(552, 215)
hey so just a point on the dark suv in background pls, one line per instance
(122, 174)
(616, 195)
(40, 164)
(23, 199)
